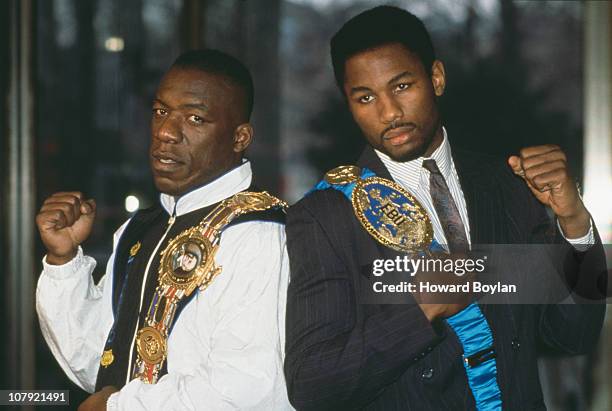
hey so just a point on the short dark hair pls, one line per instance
(376, 27)
(218, 62)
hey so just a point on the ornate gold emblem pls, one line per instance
(343, 175)
(248, 201)
(187, 261)
(392, 215)
(107, 358)
(151, 345)
(135, 248)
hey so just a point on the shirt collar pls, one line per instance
(231, 182)
(409, 171)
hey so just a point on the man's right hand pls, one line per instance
(64, 221)
(443, 304)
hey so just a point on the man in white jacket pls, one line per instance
(144, 337)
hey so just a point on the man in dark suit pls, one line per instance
(343, 352)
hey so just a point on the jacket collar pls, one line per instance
(232, 182)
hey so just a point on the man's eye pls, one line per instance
(159, 112)
(195, 119)
(403, 86)
(366, 99)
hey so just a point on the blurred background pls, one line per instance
(77, 79)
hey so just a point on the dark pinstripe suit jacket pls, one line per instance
(342, 354)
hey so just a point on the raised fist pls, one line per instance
(64, 221)
(544, 169)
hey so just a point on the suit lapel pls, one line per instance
(370, 160)
(483, 201)
(480, 182)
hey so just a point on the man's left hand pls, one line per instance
(97, 401)
(544, 169)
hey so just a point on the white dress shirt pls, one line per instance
(226, 349)
(415, 178)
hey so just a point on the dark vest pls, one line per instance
(147, 227)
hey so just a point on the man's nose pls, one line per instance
(389, 109)
(169, 131)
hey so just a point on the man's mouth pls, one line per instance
(399, 135)
(165, 161)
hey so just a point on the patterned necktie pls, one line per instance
(447, 211)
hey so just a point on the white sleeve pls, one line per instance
(582, 243)
(75, 314)
(225, 351)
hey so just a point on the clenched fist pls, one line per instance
(544, 169)
(443, 304)
(64, 221)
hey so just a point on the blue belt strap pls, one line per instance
(346, 189)
(475, 336)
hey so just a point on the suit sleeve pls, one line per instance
(573, 325)
(341, 354)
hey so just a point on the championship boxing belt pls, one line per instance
(385, 209)
(188, 263)
(394, 218)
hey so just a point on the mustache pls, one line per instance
(394, 126)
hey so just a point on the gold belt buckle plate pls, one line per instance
(187, 261)
(392, 215)
(151, 345)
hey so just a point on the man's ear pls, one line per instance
(438, 77)
(243, 135)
